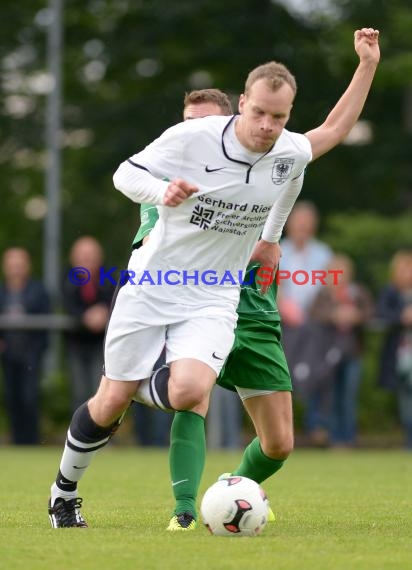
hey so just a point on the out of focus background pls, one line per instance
(84, 85)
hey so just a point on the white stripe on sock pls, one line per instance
(84, 445)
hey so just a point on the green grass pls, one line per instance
(335, 510)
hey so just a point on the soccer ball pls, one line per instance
(235, 506)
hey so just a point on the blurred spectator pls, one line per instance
(90, 303)
(394, 307)
(22, 350)
(302, 252)
(343, 307)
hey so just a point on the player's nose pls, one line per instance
(267, 124)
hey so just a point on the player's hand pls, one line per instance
(178, 191)
(367, 44)
(267, 254)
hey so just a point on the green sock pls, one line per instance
(187, 459)
(256, 465)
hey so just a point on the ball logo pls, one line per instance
(242, 508)
(233, 480)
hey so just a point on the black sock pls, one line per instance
(84, 429)
(161, 361)
(159, 387)
(84, 439)
(64, 484)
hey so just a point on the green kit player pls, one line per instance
(256, 368)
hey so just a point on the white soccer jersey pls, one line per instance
(209, 238)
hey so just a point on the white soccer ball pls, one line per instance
(235, 506)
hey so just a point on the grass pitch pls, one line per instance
(335, 511)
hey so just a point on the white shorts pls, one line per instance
(141, 325)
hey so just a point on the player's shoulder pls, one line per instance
(213, 124)
(208, 122)
(295, 143)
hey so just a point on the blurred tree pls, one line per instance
(133, 69)
(376, 176)
(21, 124)
(127, 65)
(371, 240)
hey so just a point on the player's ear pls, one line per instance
(241, 102)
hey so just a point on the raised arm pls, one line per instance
(349, 107)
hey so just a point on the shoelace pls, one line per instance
(66, 512)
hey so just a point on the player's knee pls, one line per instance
(187, 400)
(185, 395)
(119, 402)
(278, 448)
(116, 398)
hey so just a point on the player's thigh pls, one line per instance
(205, 339)
(272, 417)
(196, 350)
(115, 389)
(257, 360)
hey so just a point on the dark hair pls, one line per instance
(209, 96)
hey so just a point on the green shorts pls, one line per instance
(257, 359)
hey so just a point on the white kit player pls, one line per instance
(232, 180)
(212, 233)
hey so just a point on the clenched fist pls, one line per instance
(177, 191)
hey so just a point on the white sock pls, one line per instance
(74, 463)
(143, 394)
(153, 391)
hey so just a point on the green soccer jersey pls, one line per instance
(252, 303)
(148, 218)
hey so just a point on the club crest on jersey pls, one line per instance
(281, 170)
